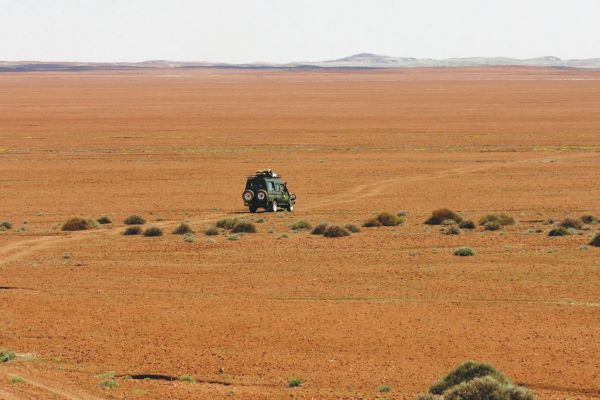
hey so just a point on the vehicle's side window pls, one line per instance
(270, 186)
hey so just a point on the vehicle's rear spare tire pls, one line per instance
(261, 195)
(248, 196)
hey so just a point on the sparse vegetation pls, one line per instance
(575, 223)
(492, 225)
(212, 231)
(233, 237)
(448, 222)
(467, 224)
(153, 231)
(502, 219)
(488, 388)
(352, 228)
(132, 230)
(282, 236)
(79, 224)
(16, 379)
(295, 382)
(383, 389)
(320, 229)
(226, 223)
(334, 231)
(301, 224)
(372, 223)
(5, 225)
(104, 220)
(464, 252)
(452, 230)
(183, 229)
(186, 378)
(559, 231)
(389, 219)
(441, 215)
(243, 227)
(109, 384)
(189, 238)
(7, 355)
(134, 220)
(595, 241)
(402, 213)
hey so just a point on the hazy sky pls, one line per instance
(295, 30)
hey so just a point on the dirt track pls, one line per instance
(385, 306)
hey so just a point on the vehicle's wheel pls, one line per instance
(248, 196)
(291, 208)
(252, 209)
(274, 206)
(261, 195)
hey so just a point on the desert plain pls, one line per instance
(386, 306)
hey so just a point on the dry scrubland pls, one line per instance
(383, 312)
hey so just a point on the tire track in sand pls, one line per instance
(17, 250)
(52, 389)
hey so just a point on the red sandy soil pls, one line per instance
(386, 306)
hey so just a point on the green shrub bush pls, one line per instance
(243, 227)
(389, 219)
(132, 230)
(182, 229)
(465, 372)
(104, 220)
(488, 388)
(492, 225)
(467, 224)
(334, 231)
(503, 219)
(153, 231)
(79, 224)
(440, 215)
(320, 229)
(301, 224)
(134, 220)
(464, 252)
(6, 356)
(295, 382)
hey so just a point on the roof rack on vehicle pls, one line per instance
(268, 172)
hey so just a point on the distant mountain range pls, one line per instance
(363, 60)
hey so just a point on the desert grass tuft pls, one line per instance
(465, 372)
(134, 220)
(320, 229)
(226, 223)
(589, 219)
(575, 223)
(467, 224)
(132, 230)
(104, 220)
(452, 230)
(492, 225)
(389, 219)
(183, 229)
(559, 231)
(502, 218)
(301, 224)
(464, 252)
(372, 223)
(153, 231)
(352, 228)
(335, 231)
(79, 224)
(7, 355)
(243, 227)
(212, 231)
(295, 382)
(595, 241)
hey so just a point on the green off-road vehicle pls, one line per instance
(267, 190)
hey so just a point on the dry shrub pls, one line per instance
(301, 224)
(575, 223)
(451, 230)
(464, 252)
(467, 224)
(560, 231)
(79, 224)
(153, 231)
(352, 228)
(320, 229)
(183, 229)
(243, 227)
(372, 223)
(226, 223)
(441, 215)
(487, 388)
(589, 219)
(503, 219)
(212, 231)
(5, 225)
(132, 230)
(334, 231)
(389, 219)
(595, 241)
(134, 220)
(492, 225)
(104, 220)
